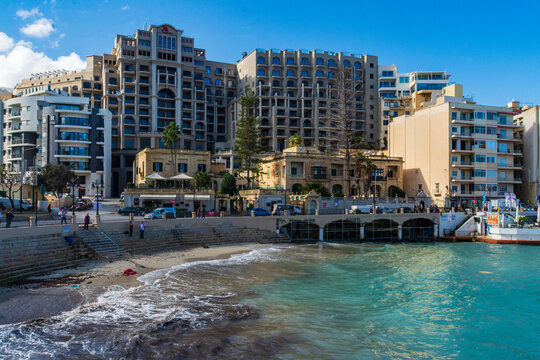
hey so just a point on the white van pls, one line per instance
(361, 209)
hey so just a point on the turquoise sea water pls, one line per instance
(332, 301)
(411, 301)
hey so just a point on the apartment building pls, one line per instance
(404, 93)
(150, 79)
(296, 166)
(294, 89)
(457, 151)
(42, 126)
(528, 122)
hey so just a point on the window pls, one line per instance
(276, 72)
(218, 82)
(290, 61)
(491, 173)
(320, 61)
(182, 167)
(491, 116)
(502, 119)
(491, 145)
(275, 61)
(207, 81)
(261, 72)
(357, 65)
(320, 73)
(331, 63)
(503, 148)
(305, 61)
(479, 173)
(168, 43)
(201, 167)
(403, 79)
(491, 130)
(330, 74)
(387, 73)
(159, 41)
(437, 190)
(454, 115)
(157, 166)
(479, 115)
(260, 60)
(491, 159)
(208, 69)
(463, 116)
(479, 129)
(305, 73)
(290, 73)
(480, 158)
(174, 43)
(347, 63)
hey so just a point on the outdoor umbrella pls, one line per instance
(181, 177)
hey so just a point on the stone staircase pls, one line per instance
(22, 257)
(103, 246)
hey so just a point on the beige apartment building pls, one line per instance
(148, 80)
(296, 166)
(294, 91)
(457, 151)
(404, 93)
(528, 122)
(160, 162)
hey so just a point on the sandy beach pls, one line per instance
(60, 291)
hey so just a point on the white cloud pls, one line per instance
(22, 61)
(125, 7)
(40, 28)
(6, 42)
(25, 14)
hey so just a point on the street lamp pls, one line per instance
(73, 183)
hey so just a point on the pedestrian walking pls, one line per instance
(130, 228)
(86, 221)
(49, 209)
(142, 230)
(9, 217)
(203, 211)
(63, 216)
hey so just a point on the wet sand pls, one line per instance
(64, 290)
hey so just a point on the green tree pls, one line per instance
(11, 183)
(248, 135)
(363, 169)
(397, 191)
(295, 140)
(202, 180)
(228, 184)
(317, 187)
(55, 177)
(170, 138)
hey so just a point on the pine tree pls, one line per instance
(248, 135)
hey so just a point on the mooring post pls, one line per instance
(321, 234)
(400, 232)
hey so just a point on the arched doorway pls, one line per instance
(301, 230)
(418, 230)
(342, 230)
(381, 230)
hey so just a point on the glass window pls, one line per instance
(357, 65)
(218, 82)
(290, 73)
(492, 173)
(479, 115)
(463, 116)
(454, 115)
(347, 63)
(260, 60)
(320, 73)
(331, 63)
(275, 61)
(174, 43)
(491, 159)
(480, 158)
(201, 167)
(330, 74)
(479, 129)
(491, 145)
(159, 41)
(320, 61)
(182, 167)
(305, 73)
(290, 61)
(502, 119)
(260, 72)
(276, 72)
(491, 116)
(403, 79)
(207, 81)
(503, 148)
(387, 73)
(305, 61)
(157, 166)
(208, 69)
(479, 172)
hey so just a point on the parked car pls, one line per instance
(260, 212)
(406, 210)
(291, 209)
(158, 213)
(361, 209)
(130, 210)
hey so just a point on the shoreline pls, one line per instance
(64, 290)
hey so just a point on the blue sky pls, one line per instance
(490, 47)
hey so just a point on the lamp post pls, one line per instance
(97, 185)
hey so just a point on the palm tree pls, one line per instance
(295, 140)
(363, 169)
(170, 138)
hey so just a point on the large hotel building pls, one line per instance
(158, 75)
(458, 151)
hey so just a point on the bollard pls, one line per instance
(400, 232)
(73, 219)
(285, 212)
(346, 211)
(193, 214)
(321, 234)
(401, 210)
(362, 232)
(221, 214)
(130, 216)
(436, 231)
(252, 213)
(317, 212)
(163, 216)
(97, 220)
(31, 221)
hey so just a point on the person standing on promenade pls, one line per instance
(49, 209)
(130, 228)
(9, 217)
(1, 213)
(63, 216)
(86, 221)
(203, 211)
(142, 230)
